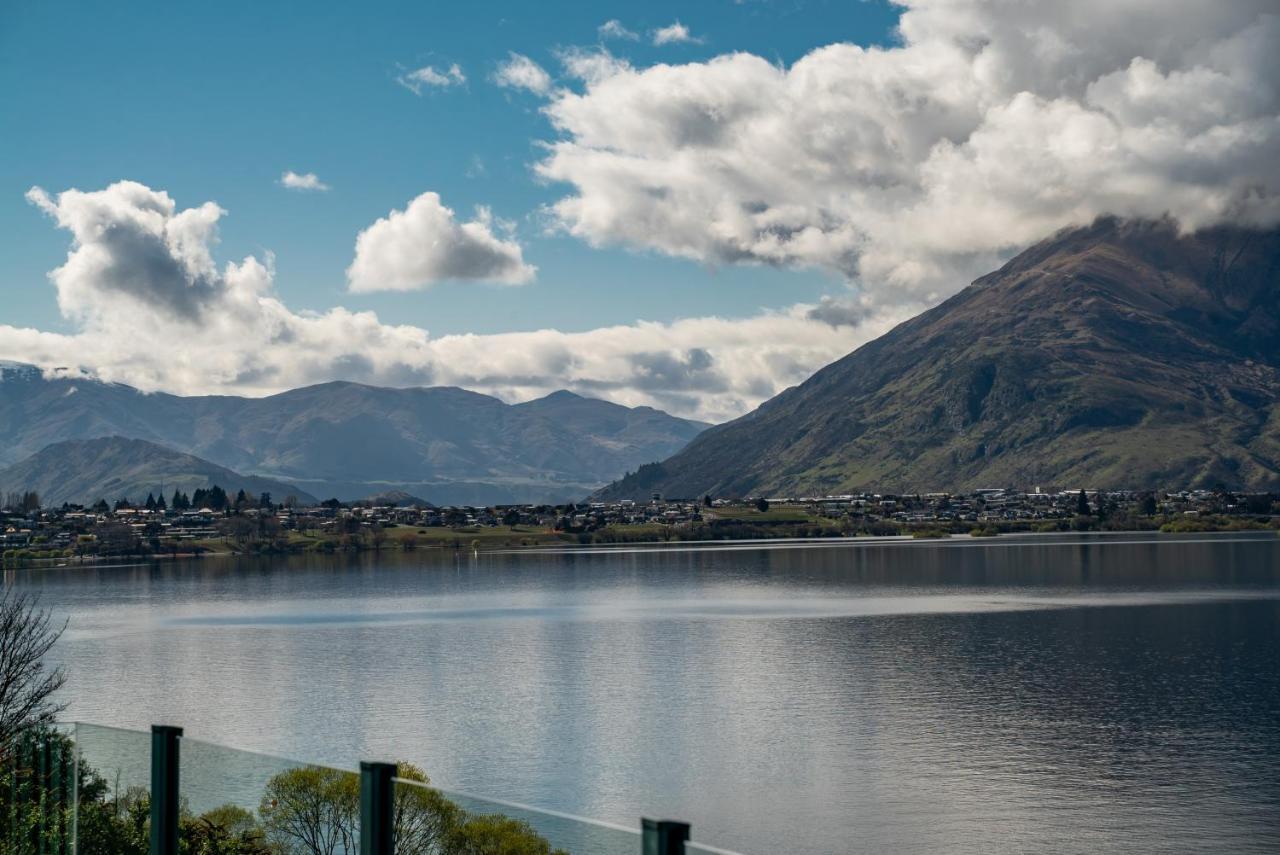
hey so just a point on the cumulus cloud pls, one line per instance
(425, 244)
(520, 72)
(674, 34)
(428, 77)
(140, 276)
(133, 249)
(909, 170)
(308, 181)
(590, 65)
(613, 29)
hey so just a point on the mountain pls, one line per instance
(1121, 355)
(446, 444)
(83, 471)
(395, 499)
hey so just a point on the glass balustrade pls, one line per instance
(240, 801)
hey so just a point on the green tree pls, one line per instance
(762, 504)
(424, 819)
(1082, 504)
(494, 834)
(312, 811)
(226, 830)
(217, 498)
(1147, 505)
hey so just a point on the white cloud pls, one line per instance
(520, 72)
(152, 309)
(909, 170)
(591, 65)
(613, 29)
(674, 34)
(425, 244)
(428, 77)
(307, 181)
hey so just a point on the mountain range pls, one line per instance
(349, 440)
(1120, 355)
(81, 471)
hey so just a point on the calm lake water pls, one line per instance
(1066, 694)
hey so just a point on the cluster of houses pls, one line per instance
(105, 530)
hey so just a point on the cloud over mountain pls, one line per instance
(140, 277)
(910, 169)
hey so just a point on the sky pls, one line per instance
(685, 205)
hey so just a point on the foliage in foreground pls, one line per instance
(304, 811)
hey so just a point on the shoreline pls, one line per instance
(1012, 538)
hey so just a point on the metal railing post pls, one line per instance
(663, 836)
(164, 789)
(377, 808)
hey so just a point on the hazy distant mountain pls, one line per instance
(1122, 355)
(83, 471)
(350, 440)
(395, 499)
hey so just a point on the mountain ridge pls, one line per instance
(115, 467)
(448, 444)
(1119, 355)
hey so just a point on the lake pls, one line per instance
(1103, 693)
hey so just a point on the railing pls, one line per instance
(94, 790)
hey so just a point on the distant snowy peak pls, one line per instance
(25, 372)
(18, 371)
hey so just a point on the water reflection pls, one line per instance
(908, 697)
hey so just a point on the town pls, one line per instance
(212, 521)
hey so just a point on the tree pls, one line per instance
(495, 834)
(151, 502)
(27, 634)
(217, 498)
(511, 518)
(706, 500)
(312, 811)
(424, 819)
(1082, 504)
(762, 504)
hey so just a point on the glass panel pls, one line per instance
(702, 849)
(238, 800)
(114, 799)
(430, 820)
(36, 798)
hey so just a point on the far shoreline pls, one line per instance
(1004, 539)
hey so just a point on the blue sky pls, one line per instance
(215, 101)
(694, 225)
